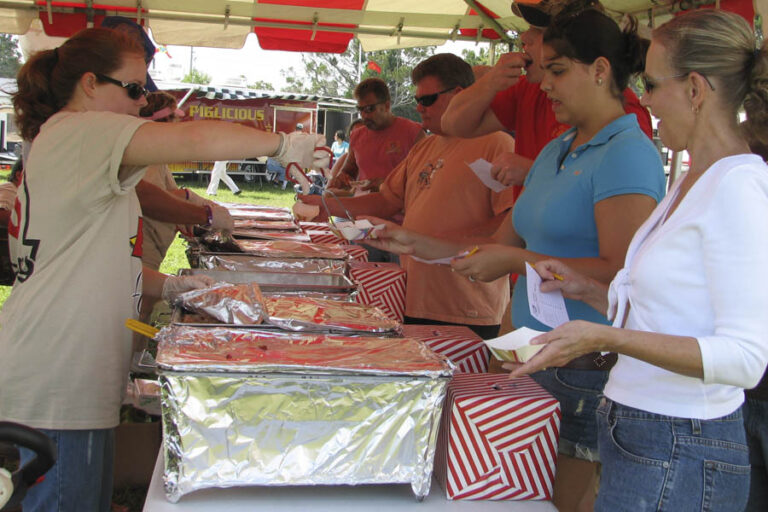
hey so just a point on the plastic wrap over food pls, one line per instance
(213, 350)
(236, 304)
(298, 410)
(258, 212)
(246, 262)
(265, 234)
(273, 225)
(309, 314)
(286, 249)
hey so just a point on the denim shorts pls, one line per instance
(662, 463)
(579, 393)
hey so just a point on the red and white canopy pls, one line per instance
(304, 25)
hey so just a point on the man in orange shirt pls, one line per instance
(441, 196)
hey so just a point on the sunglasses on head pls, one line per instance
(429, 99)
(134, 90)
(368, 109)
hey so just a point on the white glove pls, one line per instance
(176, 285)
(221, 219)
(300, 147)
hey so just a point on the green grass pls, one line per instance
(252, 193)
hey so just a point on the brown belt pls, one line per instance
(593, 361)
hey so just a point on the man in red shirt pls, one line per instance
(383, 143)
(505, 99)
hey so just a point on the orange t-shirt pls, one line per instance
(441, 196)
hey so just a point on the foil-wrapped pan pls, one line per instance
(258, 212)
(308, 314)
(242, 408)
(271, 225)
(265, 234)
(247, 262)
(236, 304)
(192, 349)
(279, 281)
(286, 249)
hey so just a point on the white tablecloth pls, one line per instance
(393, 498)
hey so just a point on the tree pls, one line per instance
(262, 85)
(197, 77)
(330, 74)
(10, 57)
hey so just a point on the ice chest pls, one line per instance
(498, 439)
(242, 408)
(456, 342)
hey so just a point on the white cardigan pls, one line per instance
(702, 273)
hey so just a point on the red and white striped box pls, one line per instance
(498, 439)
(358, 253)
(381, 285)
(458, 343)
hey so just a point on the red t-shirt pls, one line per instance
(377, 152)
(525, 110)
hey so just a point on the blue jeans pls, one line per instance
(579, 393)
(663, 463)
(756, 423)
(81, 478)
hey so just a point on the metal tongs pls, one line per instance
(347, 227)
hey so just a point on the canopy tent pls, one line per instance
(309, 25)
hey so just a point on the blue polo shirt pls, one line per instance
(555, 214)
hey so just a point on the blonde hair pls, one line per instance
(722, 47)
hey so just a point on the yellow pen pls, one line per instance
(556, 276)
(472, 251)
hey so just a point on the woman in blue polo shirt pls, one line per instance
(584, 197)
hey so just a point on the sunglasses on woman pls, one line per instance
(429, 99)
(650, 83)
(134, 90)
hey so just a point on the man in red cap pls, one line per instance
(508, 97)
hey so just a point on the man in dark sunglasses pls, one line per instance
(507, 97)
(440, 196)
(383, 143)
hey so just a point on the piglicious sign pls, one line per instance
(263, 113)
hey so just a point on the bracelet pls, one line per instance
(281, 145)
(208, 212)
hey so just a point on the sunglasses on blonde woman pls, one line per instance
(650, 83)
(134, 90)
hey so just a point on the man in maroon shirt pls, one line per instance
(505, 99)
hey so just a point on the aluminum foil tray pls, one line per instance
(266, 234)
(248, 211)
(245, 262)
(281, 281)
(248, 409)
(291, 249)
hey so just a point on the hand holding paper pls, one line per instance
(482, 169)
(546, 307)
(515, 346)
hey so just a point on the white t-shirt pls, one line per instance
(701, 273)
(64, 351)
(158, 236)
